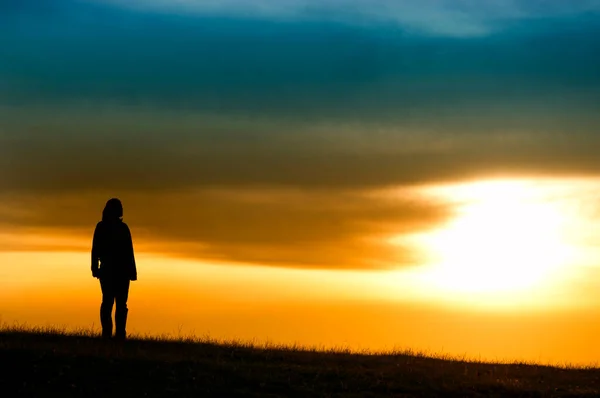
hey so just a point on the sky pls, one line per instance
(300, 136)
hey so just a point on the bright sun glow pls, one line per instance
(506, 237)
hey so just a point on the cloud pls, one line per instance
(458, 18)
(74, 149)
(292, 228)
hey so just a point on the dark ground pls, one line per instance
(40, 364)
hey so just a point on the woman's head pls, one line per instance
(113, 210)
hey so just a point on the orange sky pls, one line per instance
(510, 274)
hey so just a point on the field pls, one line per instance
(50, 362)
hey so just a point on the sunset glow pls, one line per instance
(506, 238)
(510, 247)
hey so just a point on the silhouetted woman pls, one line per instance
(112, 247)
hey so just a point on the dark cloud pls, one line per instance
(319, 229)
(121, 150)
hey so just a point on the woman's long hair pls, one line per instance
(113, 211)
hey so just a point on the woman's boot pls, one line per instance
(106, 321)
(121, 323)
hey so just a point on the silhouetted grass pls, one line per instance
(57, 362)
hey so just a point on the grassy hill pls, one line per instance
(54, 363)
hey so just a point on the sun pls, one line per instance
(506, 237)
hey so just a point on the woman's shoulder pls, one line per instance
(124, 226)
(102, 224)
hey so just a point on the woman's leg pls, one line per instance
(121, 295)
(108, 298)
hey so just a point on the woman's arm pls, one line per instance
(96, 252)
(133, 269)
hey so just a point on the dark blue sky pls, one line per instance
(74, 51)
